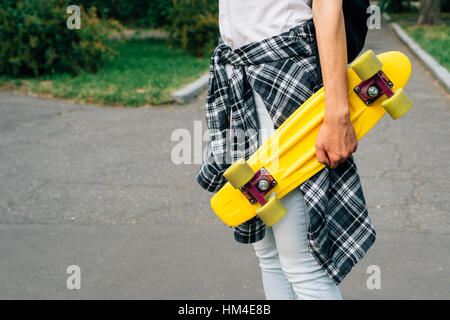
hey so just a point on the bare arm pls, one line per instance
(336, 140)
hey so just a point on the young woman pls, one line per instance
(266, 66)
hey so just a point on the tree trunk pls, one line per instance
(430, 11)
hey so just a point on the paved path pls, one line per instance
(95, 187)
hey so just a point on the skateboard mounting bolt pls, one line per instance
(373, 91)
(368, 102)
(262, 170)
(357, 89)
(253, 201)
(263, 185)
(274, 183)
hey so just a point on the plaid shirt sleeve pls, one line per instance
(210, 176)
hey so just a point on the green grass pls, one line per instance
(433, 39)
(145, 72)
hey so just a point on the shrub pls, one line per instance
(148, 13)
(191, 24)
(445, 5)
(158, 13)
(194, 25)
(395, 6)
(121, 10)
(35, 40)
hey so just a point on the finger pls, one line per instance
(334, 161)
(356, 146)
(345, 157)
(322, 155)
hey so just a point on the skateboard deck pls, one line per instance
(287, 158)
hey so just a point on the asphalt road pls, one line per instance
(96, 187)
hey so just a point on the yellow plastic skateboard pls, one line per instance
(287, 158)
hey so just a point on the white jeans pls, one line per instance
(289, 270)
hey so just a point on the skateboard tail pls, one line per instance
(234, 211)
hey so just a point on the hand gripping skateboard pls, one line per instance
(288, 157)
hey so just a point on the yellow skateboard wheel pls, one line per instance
(398, 104)
(366, 65)
(239, 173)
(272, 211)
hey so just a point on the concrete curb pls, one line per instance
(189, 92)
(440, 72)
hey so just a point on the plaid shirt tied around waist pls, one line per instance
(284, 71)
